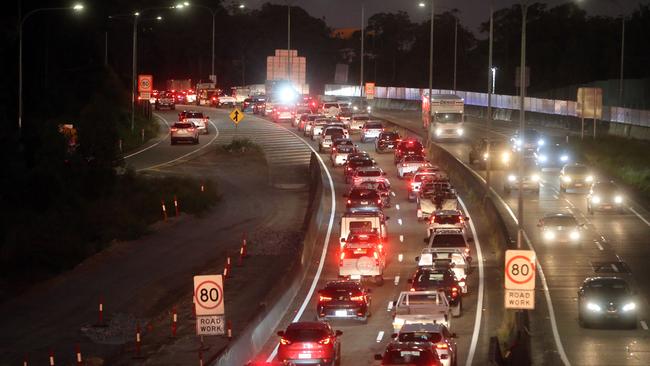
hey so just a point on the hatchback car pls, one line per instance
(363, 197)
(310, 343)
(184, 131)
(437, 336)
(371, 130)
(575, 176)
(560, 227)
(608, 300)
(387, 141)
(605, 196)
(343, 300)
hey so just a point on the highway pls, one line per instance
(611, 237)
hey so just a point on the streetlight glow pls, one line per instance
(78, 7)
(179, 6)
(136, 14)
(422, 4)
(241, 6)
(158, 17)
(186, 3)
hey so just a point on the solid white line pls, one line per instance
(154, 145)
(598, 245)
(390, 306)
(639, 216)
(216, 135)
(396, 280)
(380, 335)
(323, 256)
(644, 325)
(392, 193)
(481, 289)
(401, 238)
(397, 206)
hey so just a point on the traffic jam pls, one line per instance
(386, 181)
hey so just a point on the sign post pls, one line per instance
(370, 90)
(209, 302)
(590, 105)
(520, 279)
(145, 86)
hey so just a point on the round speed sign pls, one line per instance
(208, 295)
(520, 269)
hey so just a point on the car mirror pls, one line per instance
(280, 333)
(378, 357)
(417, 259)
(339, 333)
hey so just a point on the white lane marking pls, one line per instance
(400, 257)
(390, 306)
(644, 325)
(479, 305)
(216, 135)
(392, 193)
(397, 206)
(399, 221)
(556, 197)
(396, 280)
(323, 255)
(551, 312)
(639, 216)
(614, 268)
(401, 238)
(598, 245)
(154, 145)
(380, 336)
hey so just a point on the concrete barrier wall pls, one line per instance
(251, 340)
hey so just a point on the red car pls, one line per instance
(310, 342)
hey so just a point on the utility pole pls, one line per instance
(134, 79)
(430, 69)
(620, 82)
(363, 36)
(522, 126)
(488, 163)
(289, 43)
(455, 49)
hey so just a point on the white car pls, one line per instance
(340, 152)
(440, 338)
(369, 174)
(330, 109)
(409, 164)
(330, 133)
(357, 122)
(317, 129)
(435, 196)
(199, 120)
(363, 255)
(371, 130)
(447, 219)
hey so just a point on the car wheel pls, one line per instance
(173, 142)
(196, 141)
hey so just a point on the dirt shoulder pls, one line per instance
(143, 280)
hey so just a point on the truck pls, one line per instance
(420, 307)
(367, 219)
(179, 84)
(434, 196)
(445, 118)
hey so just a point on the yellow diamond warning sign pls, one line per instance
(236, 116)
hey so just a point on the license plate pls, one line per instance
(364, 202)
(355, 277)
(304, 356)
(341, 313)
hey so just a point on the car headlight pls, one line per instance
(543, 158)
(438, 131)
(618, 199)
(518, 142)
(512, 178)
(540, 142)
(575, 235)
(566, 179)
(535, 178)
(549, 235)
(594, 307)
(595, 199)
(460, 131)
(629, 307)
(355, 108)
(505, 157)
(485, 156)
(564, 158)
(369, 109)
(589, 178)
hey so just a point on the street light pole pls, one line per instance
(620, 82)
(522, 126)
(363, 36)
(455, 49)
(133, 69)
(289, 43)
(430, 68)
(490, 88)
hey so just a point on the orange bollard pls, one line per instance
(174, 322)
(51, 358)
(78, 355)
(176, 205)
(138, 341)
(164, 210)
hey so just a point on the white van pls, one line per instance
(367, 220)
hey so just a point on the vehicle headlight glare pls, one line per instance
(566, 179)
(549, 235)
(540, 142)
(485, 156)
(518, 142)
(595, 199)
(618, 199)
(543, 158)
(355, 108)
(564, 158)
(593, 307)
(512, 178)
(589, 178)
(460, 131)
(574, 235)
(505, 157)
(629, 307)
(438, 131)
(535, 178)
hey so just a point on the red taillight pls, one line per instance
(412, 289)
(357, 298)
(174, 129)
(466, 250)
(454, 291)
(342, 255)
(349, 202)
(379, 201)
(442, 346)
(285, 341)
(375, 255)
(333, 149)
(324, 298)
(404, 164)
(190, 129)
(214, 98)
(325, 341)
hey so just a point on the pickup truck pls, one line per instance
(435, 196)
(409, 164)
(420, 307)
(226, 100)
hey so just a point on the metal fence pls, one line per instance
(621, 115)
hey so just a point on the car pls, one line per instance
(448, 258)
(368, 174)
(330, 109)
(181, 115)
(560, 227)
(381, 186)
(361, 106)
(283, 113)
(438, 336)
(607, 301)
(499, 149)
(434, 196)
(363, 256)
(226, 100)
(343, 300)
(421, 175)
(344, 116)
(310, 342)
(304, 121)
(357, 121)
(330, 133)
(531, 178)
(358, 196)
(198, 119)
(300, 112)
(259, 104)
(247, 105)
(553, 154)
(184, 131)
(436, 278)
(409, 164)
(355, 162)
(605, 196)
(447, 219)
(528, 142)
(371, 130)
(341, 149)
(407, 147)
(317, 128)
(449, 239)
(575, 176)
(387, 141)
(363, 219)
(165, 100)
(408, 353)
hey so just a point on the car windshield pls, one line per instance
(420, 337)
(334, 131)
(376, 126)
(342, 292)
(415, 357)
(448, 240)
(605, 188)
(429, 278)
(183, 125)
(194, 115)
(389, 136)
(411, 145)
(577, 170)
(413, 159)
(345, 148)
(446, 219)
(421, 177)
(363, 194)
(449, 117)
(360, 118)
(560, 221)
(380, 186)
(369, 173)
(363, 162)
(360, 226)
(608, 287)
(305, 335)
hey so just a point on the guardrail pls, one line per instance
(264, 325)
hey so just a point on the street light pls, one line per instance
(76, 8)
(422, 5)
(213, 12)
(242, 6)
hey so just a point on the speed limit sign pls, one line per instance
(208, 295)
(520, 270)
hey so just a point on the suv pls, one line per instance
(184, 131)
(437, 336)
(165, 100)
(575, 176)
(605, 196)
(407, 147)
(369, 174)
(449, 238)
(423, 174)
(447, 219)
(330, 133)
(607, 299)
(363, 255)
(408, 353)
(363, 197)
(530, 181)
(433, 278)
(343, 299)
(355, 162)
(313, 342)
(357, 122)
(501, 151)
(386, 141)
(371, 130)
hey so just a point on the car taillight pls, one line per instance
(174, 129)
(214, 98)
(324, 298)
(379, 201)
(349, 202)
(333, 149)
(454, 291)
(381, 247)
(412, 289)
(404, 164)
(466, 250)
(442, 346)
(285, 341)
(190, 129)
(326, 340)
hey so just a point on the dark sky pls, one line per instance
(347, 13)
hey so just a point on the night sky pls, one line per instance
(347, 13)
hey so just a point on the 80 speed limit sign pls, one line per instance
(208, 295)
(520, 270)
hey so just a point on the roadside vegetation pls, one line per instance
(626, 160)
(240, 146)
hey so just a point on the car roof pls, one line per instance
(447, 212)
(422, 327)
(308, 325)
(604, 278)
(560, 214)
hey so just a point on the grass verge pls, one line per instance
(134, 139)
(240, 146)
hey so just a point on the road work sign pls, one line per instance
(145, 83)
(208, 295)
(210, 325)
(520, 270)
(236, 116)
(520, 299)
